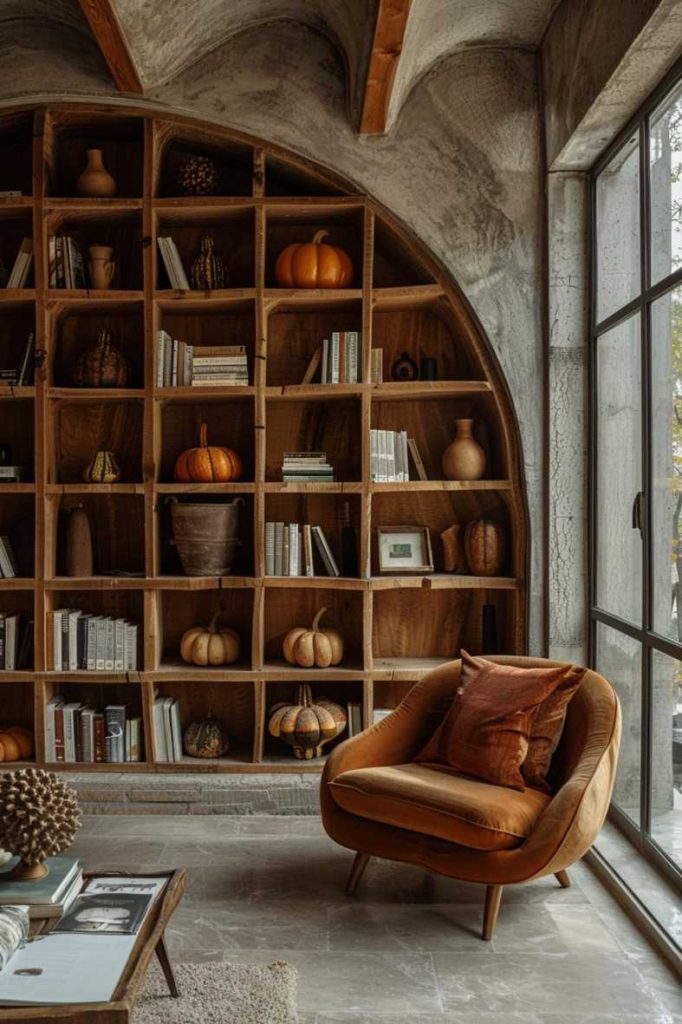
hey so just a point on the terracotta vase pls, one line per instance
(95, 181)
(463, 459)
(101, 266)
(78, 558)
(484, 545)
(454, 559)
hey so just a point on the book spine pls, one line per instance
(279, 548)
(335, 359)
(115, 723)
(6, 568)
(59, 733)
(49, 731)
(65, 641)
(269, 549)
(3, 631)
(119, 633)
(285, 551)
(99, 738)
(324, 373)
(69, 743)
(308, 550)
(73, 641)
(100, 644)
(293, 549)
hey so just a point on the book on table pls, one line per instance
(46, 897)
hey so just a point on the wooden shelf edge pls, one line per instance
(442, 485)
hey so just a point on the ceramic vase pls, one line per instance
(95, 181)
(463, 459)
(78, 557)
(101, 267)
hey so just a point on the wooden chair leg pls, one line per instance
(356, 872)
(563, 879)
(167, 967)
(493, 896)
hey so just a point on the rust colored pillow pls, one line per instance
(486, 732)
(547, 728)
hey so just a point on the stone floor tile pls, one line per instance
(551, 927)
(233, 927)
(416, 929)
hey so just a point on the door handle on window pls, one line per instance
(638, 513)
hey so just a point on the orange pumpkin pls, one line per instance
(23, 739)
(313, 265)
(207, 463)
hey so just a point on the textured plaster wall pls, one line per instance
(463, 168)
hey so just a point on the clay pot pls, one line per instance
(484, 545)
(78, 560)
(463, 459)
(101, 267)
(95, 181)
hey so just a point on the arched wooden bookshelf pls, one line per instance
(396, 627)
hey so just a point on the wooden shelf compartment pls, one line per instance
(230, 424)
(280, 691)
(285, 225)
(389, 693)
(327, 511)
(70, 134)
(316, 425)
(396, 264)
(233, 323)
(294, 334)
(17, 431)
(116, 603)
(20, 601)
(175, 612)
(285, 178)
(175, 144)
(233, 233)
(167, 560)
(121, 229)
(78, 430)
(74, 329)
(97, 694)
(233, 703)
(18, 522)
(17, 322)
(18, 700)
(16, 156)
(117, 527)
(16, 223)
(286, 608)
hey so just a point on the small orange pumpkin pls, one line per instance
(313, 647)
(207, 463)
(23, 739)
(313, 265)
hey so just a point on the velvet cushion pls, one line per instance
(487, 730)
(546, 730)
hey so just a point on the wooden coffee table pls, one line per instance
(150, 940)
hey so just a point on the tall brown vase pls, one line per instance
(95, 181)
(464, 459)
(78, 543)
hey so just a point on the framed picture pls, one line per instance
(404, 549)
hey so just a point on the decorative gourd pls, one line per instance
(208, 270)
(210, 646)
(313, 265)
(102, 469)
(16, 743)
(314, 647)
(9, 748)
(308, 724)
(484, 544)
(207, 463)
(102, 366)
(206, 737)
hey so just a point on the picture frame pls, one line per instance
(404, 549)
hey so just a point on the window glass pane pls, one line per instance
(666, 754)
(618, 239)
(665, 159)
(619, 659)
(619, 471)
(666, 463)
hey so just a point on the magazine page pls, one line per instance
(65, 968)
(105, 914)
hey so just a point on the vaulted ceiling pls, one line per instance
(386, 46)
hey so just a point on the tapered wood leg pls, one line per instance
(493, 896)
(167, 967)
(356, 872)
(563, 879)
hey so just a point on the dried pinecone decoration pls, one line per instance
(198, 176)
(39, 816)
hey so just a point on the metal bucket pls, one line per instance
(206, 536)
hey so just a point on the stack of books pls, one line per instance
(167, 729)
(95, 643)
(75, 733)
(8, 560)
(341, 358)
(182, 365)
(173, 263)
(22, 265)
(66, 263)
(22, 375)
(16, 641)
(11, 474)
(306, 467)
(389, 456)
(289, 550)
(49, 896)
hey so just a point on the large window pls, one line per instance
(636, 584)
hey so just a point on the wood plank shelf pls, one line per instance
(396, 628)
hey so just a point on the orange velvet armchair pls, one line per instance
(376, 802)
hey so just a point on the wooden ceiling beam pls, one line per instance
(110, 38)
(387, 45)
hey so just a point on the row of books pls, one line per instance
(21, 375)
(8, 560)
(341, 358)
(95, 643)
(75, 733)
(182, 365)
(167, 729)
(172, 263)
(306, 467)
(290, 551)
(16, 641)
(389, 456)
(66, 266)
(22, 265)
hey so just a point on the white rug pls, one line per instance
(218, 992)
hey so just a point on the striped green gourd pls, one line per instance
(208, 270)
